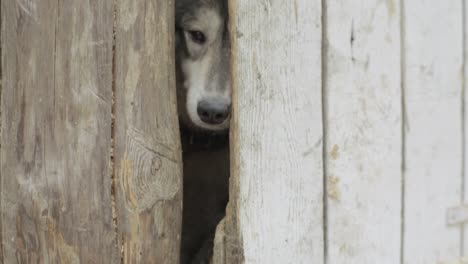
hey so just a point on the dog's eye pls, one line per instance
(197, 36)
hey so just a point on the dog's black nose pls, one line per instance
(213, 111)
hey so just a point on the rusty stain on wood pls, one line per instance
(335, 152)
(333, 191)
(390, 7)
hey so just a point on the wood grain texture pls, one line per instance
(464, 248)
(277, 139)
(147, 141)
(56, 125)
(363, 135)
(433, 70)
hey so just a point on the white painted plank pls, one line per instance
(277, 158)
(465, 82)
(433, 63)
(363, 135)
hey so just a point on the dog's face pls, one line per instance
(203, 64)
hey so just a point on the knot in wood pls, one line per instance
(156, 164)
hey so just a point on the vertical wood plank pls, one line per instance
(56, 132)
(1, 76)
(433, 63)
(147, 150)
(464, 249)
(277, 130)
(363, 135)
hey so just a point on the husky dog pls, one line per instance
(204, 102)
(203, 52)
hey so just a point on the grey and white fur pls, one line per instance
(204, 102)
(203, 54)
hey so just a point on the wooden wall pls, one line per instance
(363, 135)
(433, 88)
(387, 106)
(277, 130)
(348, 136)
(77, 184)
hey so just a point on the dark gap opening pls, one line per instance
(112, 149)
(204, 102)
(206, 192)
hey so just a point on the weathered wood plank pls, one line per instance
(1, 64)
(464, 252)
(363, 135)
(147, 143)
(277, 131)
(56, 127)
(433, 62)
